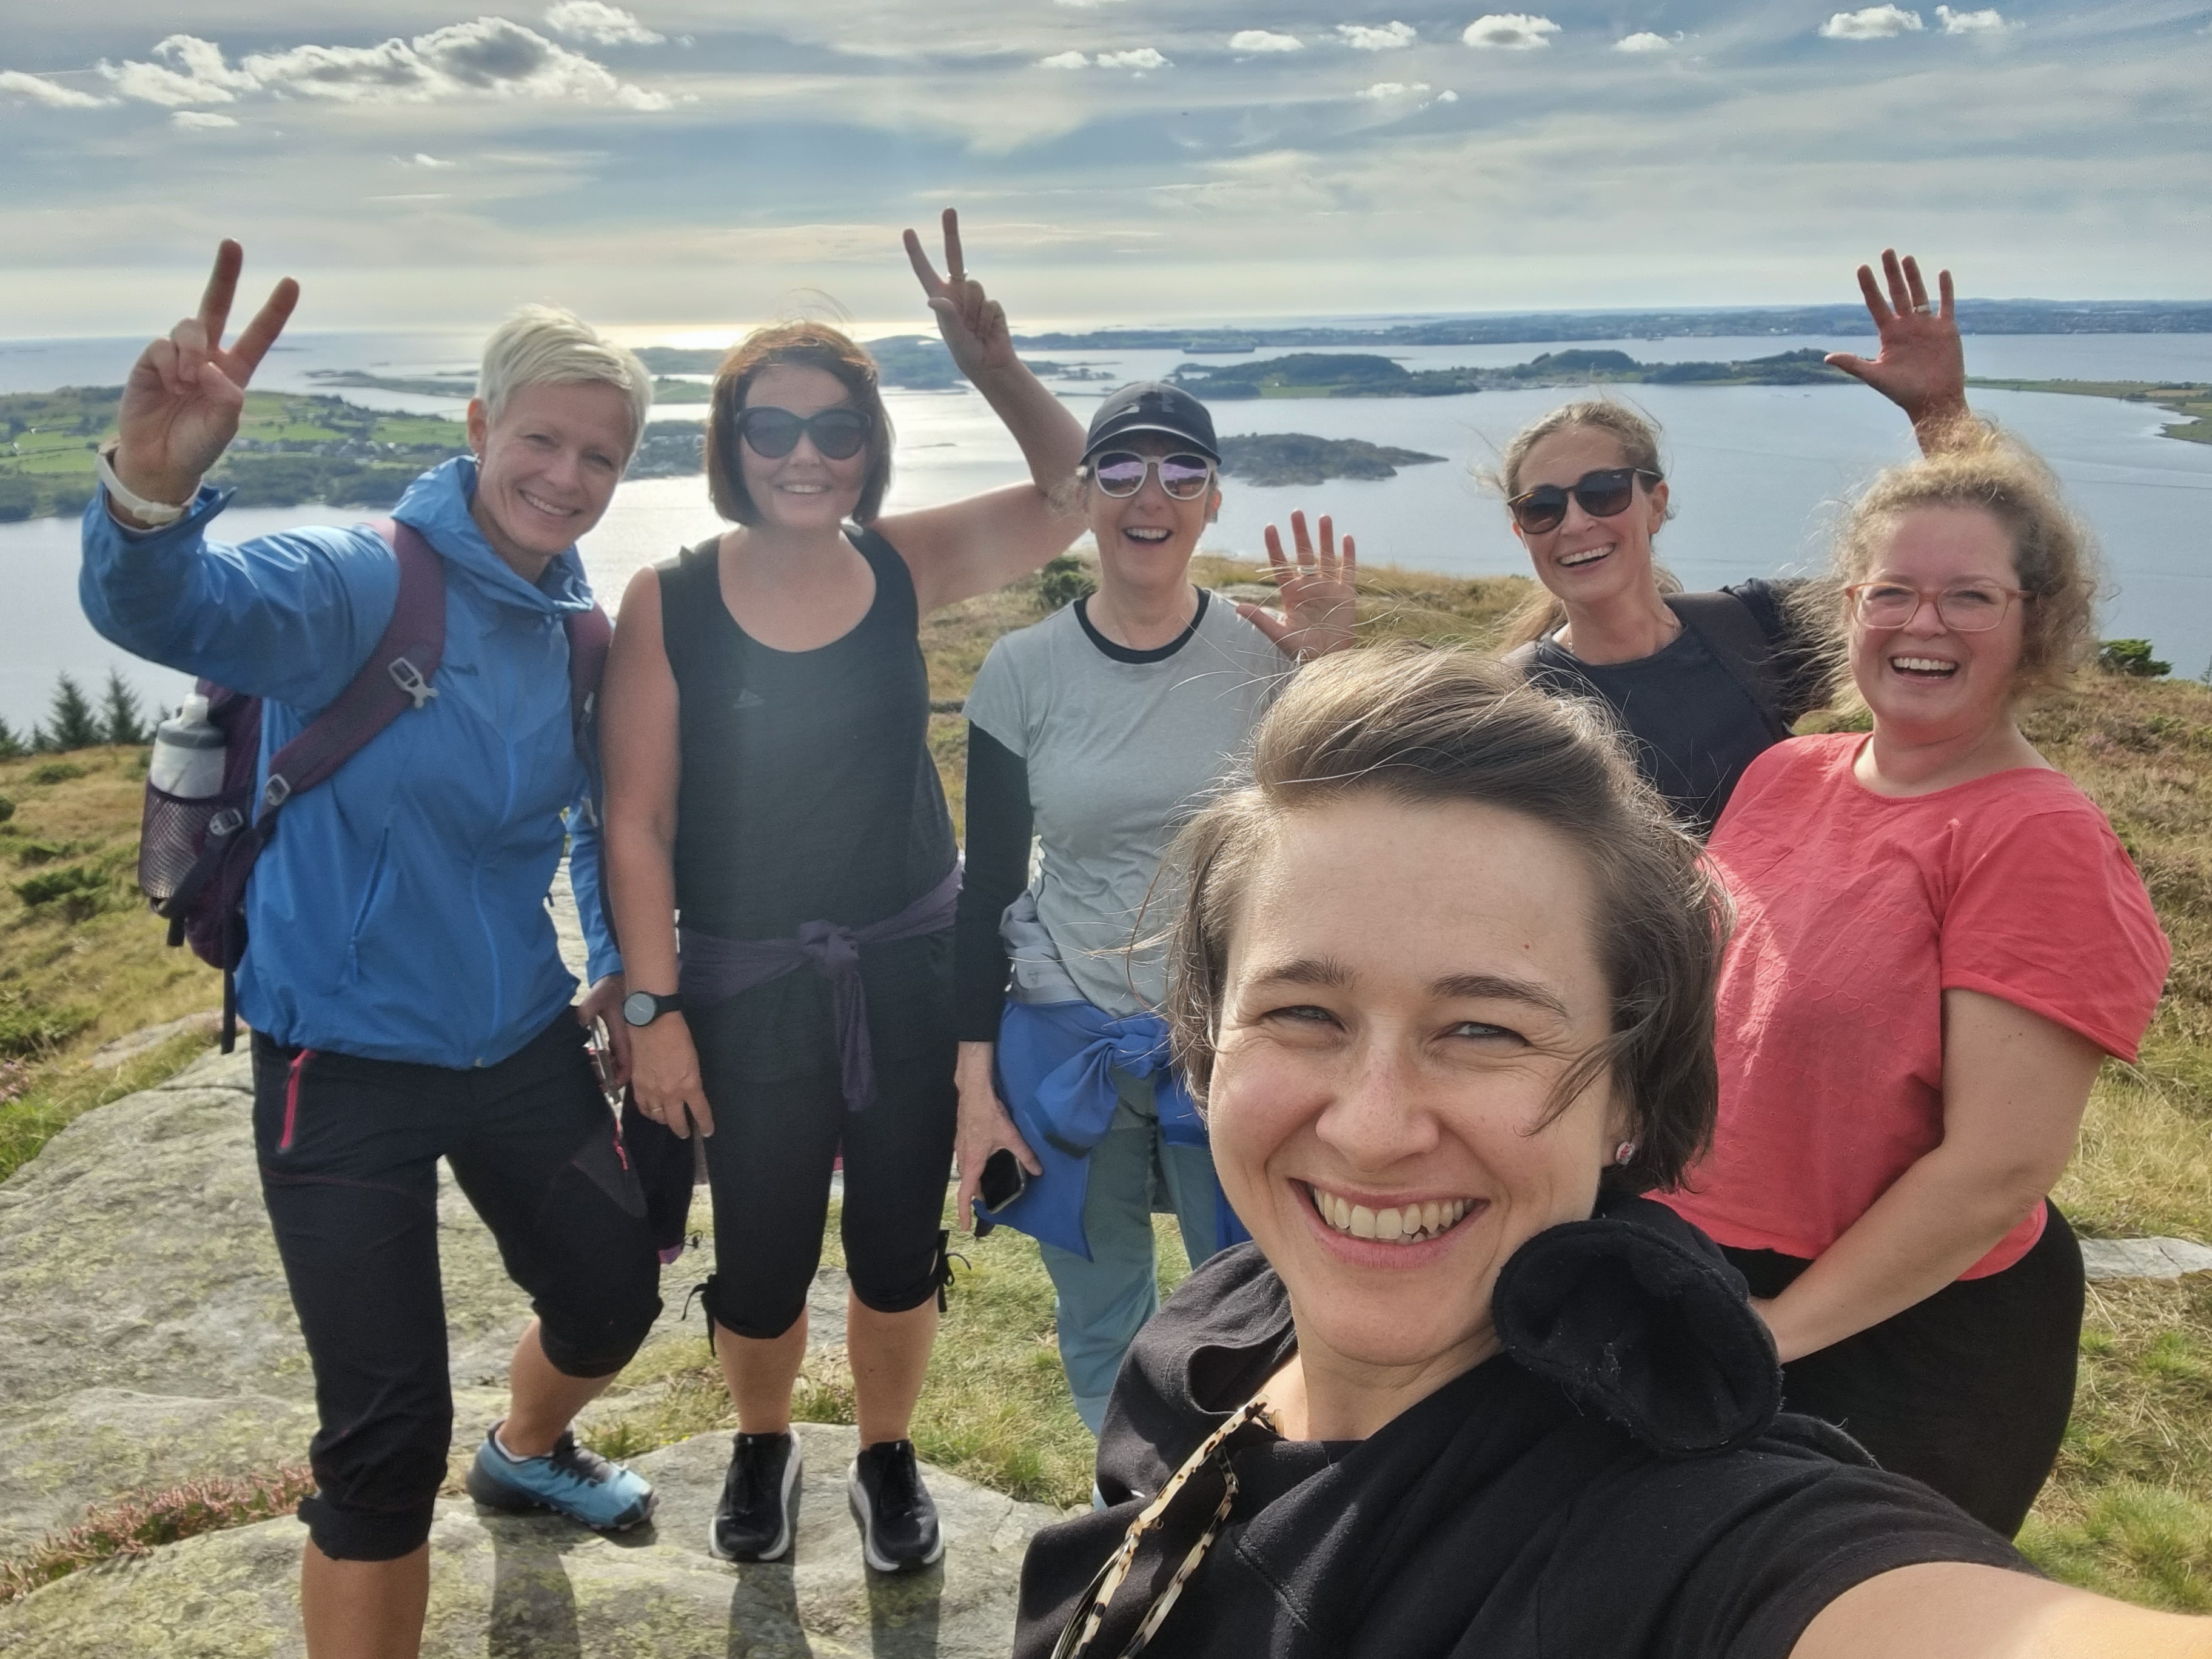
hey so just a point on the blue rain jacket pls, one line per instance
(1053, 1062)
(399, 913)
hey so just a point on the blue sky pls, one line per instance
(685, 163)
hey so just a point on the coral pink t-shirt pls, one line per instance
(1855, 912)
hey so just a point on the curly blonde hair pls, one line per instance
(2055, 558)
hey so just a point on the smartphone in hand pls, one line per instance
(1003, 1181)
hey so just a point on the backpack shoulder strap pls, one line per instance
(395, 678)
(1732, 632)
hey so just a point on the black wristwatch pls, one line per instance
(642, 1007)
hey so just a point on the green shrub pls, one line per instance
(1064, 580)
(7, 809)
(76, 878)
(19, 498)
(25, 1030)
(56, 772)
(2132, 657)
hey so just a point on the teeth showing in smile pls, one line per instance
(1146, 533)
(1924, 665)
(544, 506)
(1408, 1223)
(1587, 556)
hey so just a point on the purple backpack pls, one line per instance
(196, 855)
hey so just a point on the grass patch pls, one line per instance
(140, 1523)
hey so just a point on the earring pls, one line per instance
(1623, 1152)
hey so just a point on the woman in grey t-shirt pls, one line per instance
(1095, 730)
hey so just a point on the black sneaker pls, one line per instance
(898, 1523)
(752, 1522)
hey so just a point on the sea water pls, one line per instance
(1756, 472)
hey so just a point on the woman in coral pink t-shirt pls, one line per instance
(1939, 938)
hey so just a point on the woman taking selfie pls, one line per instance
(1095, 731)
(1702, 682)
(1939, 938)
(1443, 982)
(769, 775)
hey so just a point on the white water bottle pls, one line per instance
(188, 753)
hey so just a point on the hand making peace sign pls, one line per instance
(1922, 366)
(181, 403)
(974, 326)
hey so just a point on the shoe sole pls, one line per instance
(857, 1495)
(784, 1539)
(514, 1500)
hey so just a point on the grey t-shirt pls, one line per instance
(1119, 744)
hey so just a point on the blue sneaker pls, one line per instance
(569, 1480)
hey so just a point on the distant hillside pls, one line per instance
(915, 362)
(1299, 458)
(1358, 375)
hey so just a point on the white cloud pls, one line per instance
(419, 159)
(1376, 37)
(13, 84)
(490, 55)
(602, 25)
(1873, 23)
(1972, 23)
(1143, 58)
(1644, 40)
(1264, 41)
(1509, 31)
(1063, 60)
(1447, 96)
(191, 71)
(1383, 91)
(200, 119)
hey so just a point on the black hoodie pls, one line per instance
(1617, 1482)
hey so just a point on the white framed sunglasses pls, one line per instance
(1183, 476)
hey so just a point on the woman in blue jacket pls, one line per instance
(402, 980)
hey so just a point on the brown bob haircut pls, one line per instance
(807, 345)
(1422, 726)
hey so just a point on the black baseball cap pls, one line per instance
(1152, 406)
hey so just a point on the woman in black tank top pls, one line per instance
(769, 781)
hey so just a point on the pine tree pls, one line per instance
(10, 744)
(122, 721)
(70, 723)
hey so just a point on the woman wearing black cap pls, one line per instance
(1094, 730)
(769, 775)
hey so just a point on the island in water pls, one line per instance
(296, 447)
(1299, 458)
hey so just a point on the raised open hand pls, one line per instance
(1922, 368)
(1319, 593)
(181, 403)
(973, 326)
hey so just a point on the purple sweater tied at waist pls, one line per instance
(714, 970)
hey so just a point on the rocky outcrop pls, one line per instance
(508, 1586)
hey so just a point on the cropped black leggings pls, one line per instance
(768, 1162)
(1968, 1391)
(349, 1150)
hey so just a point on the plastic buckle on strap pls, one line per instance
(274, 794)
(228, 822)
(409, 680)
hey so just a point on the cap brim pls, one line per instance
(1109, 440)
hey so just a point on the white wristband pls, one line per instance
(154, 514)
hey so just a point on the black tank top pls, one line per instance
(808, 792)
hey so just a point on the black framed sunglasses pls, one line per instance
(1122, 473)
(1600, 493)
(838, 434)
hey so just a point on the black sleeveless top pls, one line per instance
(809, 794)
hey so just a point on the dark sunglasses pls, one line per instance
(1119, 472)
(1601, 494)
(838, 434)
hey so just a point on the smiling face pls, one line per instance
(804, 490)
(1405, 986)
(1147, 539)
(1924, 681)
(547, 466)
(1588, 561)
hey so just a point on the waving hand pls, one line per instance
(182, 402)
(1922, 368)
(973, 326)
(1318, 593)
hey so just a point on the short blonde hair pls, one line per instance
(544, 345)
(2054, 552)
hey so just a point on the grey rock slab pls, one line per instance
(508, 1586)
(148, 1037)
(2144, 1258)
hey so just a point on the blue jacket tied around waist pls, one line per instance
(1054, 1060)
(400, 913)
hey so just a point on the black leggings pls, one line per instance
(768, 1162)
(1968, 1391)
(348, 1151)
